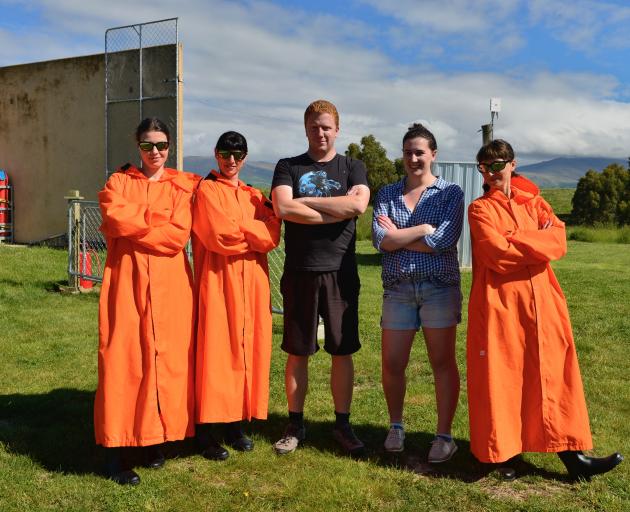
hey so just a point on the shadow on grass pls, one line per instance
(55, 430)
(463, 466)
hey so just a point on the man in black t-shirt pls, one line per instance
(319, 195)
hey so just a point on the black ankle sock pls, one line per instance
(296, 418)
(341, 418)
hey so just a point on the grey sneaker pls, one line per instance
(395, 440)
(441, 450)
(292, 437)
(351, 444)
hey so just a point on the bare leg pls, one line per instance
(395, 350)
(341, 382)
(441, 349)
(296, 382)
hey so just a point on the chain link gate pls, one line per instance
(87, 250)
(142, 79)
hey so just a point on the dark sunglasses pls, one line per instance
(236, 153)
(148, 146)
(493, 167)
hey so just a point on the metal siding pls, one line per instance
(465, 175)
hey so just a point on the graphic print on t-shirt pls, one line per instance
(317, 184)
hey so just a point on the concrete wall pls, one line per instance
(51, 139)
(52, 136)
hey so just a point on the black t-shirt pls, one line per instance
(319, 247)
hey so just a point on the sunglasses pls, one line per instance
(148, 146)
(227, 153)
(493, 167)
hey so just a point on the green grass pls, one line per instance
(559, 199)
(48, 460)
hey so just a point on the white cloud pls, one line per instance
(253, 67)
(585, 25)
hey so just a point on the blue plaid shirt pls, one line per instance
(441, 205)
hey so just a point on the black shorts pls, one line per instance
(332, 295)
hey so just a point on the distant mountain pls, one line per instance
(565, 172)
(257, 174)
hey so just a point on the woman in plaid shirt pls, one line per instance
(416, 225)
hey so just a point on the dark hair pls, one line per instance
(231, 140)
(152, 124)
(419, 130)
(497, 149)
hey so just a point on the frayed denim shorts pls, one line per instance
(413, 304)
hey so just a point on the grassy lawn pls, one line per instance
(48, 460)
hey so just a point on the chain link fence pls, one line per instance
(87, 251)
(142, 79)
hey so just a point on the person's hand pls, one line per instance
(547, 224)
(426, 229)
(386, 223)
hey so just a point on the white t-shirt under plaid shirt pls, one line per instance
(441, 205)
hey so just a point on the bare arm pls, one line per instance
(405, 238)
(288, 208)
(344, 207)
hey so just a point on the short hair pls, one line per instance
(321, 107)
(419, 130)
(231, 141)
(152, 124)
(497, 149)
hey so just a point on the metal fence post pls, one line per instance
(74, 240)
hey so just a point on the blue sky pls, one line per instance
(560, 67)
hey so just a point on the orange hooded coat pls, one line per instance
(145, 359)
(233, 229)
(524, 387)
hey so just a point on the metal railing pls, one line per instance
(87, 251)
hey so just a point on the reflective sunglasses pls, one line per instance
(493, 167)
(236, 153)
(148, 146)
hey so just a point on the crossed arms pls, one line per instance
(319, 210)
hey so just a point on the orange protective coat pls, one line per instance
(145, 360)
(230, 240)
(524, 387)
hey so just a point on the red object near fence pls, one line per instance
(85, 268)
(5, 206)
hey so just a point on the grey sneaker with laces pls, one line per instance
(293, 436)
(395, 440)
(441, 450)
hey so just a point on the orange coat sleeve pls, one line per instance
(215, 228)
(169, 236)
(543, 244)
(121, 217)
(162, 230)
(262, 232)
(508, 252)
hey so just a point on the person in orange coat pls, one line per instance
(145, 360)
(234, 228)
(524, 387)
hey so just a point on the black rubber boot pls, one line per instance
(583, 467)
(154, 457)
(208, 445)
(236, 439)
(118, 468)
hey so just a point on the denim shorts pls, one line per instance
(413, 304)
